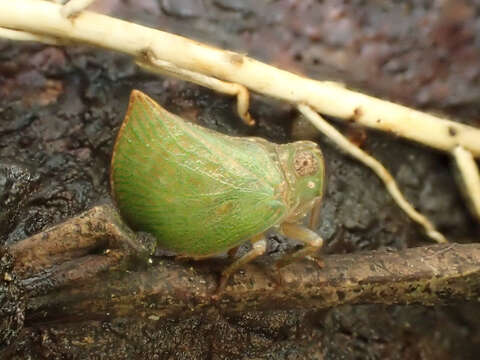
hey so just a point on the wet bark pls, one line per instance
(58, 271)
(60, 108)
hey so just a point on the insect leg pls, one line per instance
(311, 239)
(259, 246)
(314, 214)
(232, 252)
(151, 63)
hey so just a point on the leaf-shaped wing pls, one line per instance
(199, 192)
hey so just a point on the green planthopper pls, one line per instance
(202, 193)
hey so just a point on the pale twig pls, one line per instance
(152, 64)
(26, 36)
(469, 177)
(43, 17)
(373, 164)
(74, 7)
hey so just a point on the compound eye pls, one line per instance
(305, 163)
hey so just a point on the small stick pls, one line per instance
(74, 7)
(469, 178)
(26, 36)
(328, 130)
(152, 64)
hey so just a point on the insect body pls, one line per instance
(201, 193)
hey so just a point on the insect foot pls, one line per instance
(259, 246)
(312, 241)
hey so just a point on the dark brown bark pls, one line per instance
(60, 111)
(92, 285)
(99, 227)
(439, 274)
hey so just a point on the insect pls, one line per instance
(202, 193)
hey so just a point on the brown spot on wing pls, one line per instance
(223, 209)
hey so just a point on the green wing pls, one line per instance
(199, 192)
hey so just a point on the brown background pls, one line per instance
(60, 109)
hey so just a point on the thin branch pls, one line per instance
(469, 176)
(377, 168)
(74, 7)
(45, 18)
(165, 68)
(439, 274)
(26, 36)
